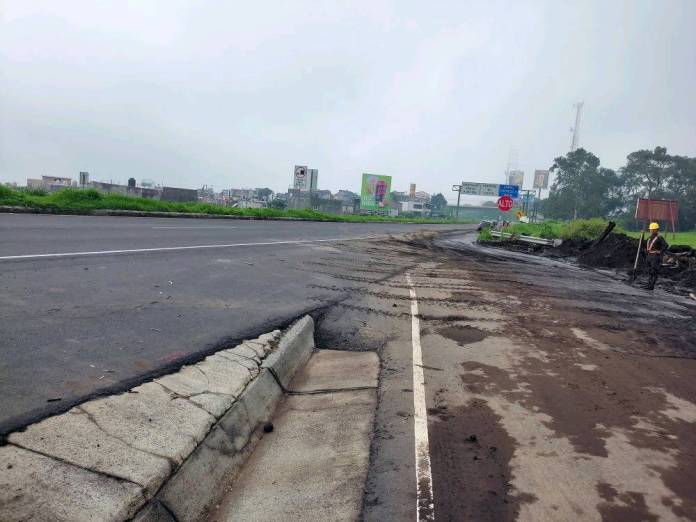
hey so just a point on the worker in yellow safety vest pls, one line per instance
(655, 249)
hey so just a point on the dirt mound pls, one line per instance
(616, 251)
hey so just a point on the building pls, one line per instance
(421, 197)
(416, 207)
(323, 194)
(50, 183)
(346, 195)
(313, 179)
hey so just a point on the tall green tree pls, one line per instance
(438, 202)
(582, 188)
(659, 175)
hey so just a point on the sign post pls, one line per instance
(458, 190)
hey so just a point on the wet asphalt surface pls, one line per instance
(553, 392)
(73, 327)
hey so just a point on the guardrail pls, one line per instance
(527, 239)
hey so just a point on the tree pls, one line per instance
(438, 202)
(278, 204)
(264, 193)
(582, 188)
(646, 172)
(658, 175)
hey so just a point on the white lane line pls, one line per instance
(424, 480)
(194, 247)
(195, 227)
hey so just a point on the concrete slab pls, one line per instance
(41, 489)
(73, 437)
(149, 419)
(314, 464)
(334, 370)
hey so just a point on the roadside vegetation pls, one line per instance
(579, 229)
(583, 229)
(680, 238)
(78, 201)
(584, 189)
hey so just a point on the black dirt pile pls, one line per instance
(616, 251)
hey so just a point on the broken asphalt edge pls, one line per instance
(162, 451)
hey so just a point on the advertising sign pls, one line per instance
(541, 179)
(301, 180)
(509, 190)
(516, 177)
(375, 192)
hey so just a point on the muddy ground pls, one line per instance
(618, 252)
(553, 392)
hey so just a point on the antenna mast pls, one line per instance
(576, 129)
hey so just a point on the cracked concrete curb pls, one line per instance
(159, 452)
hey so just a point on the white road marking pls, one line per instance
(194, 247)
(424, 480)
(195, 227)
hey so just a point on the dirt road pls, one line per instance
(552, 392)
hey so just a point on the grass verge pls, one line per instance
(680, 238)
(579, 229)
(76, 201)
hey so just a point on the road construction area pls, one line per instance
(510, 387)
(551, 392)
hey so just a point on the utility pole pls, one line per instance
(576, 129)
(458, 190)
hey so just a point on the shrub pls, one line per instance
(588, 229)
(485, 235)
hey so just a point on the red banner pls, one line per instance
(657, 210)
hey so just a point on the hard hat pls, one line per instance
(654, 226)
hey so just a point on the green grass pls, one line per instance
(77, 201)
(680, 238)
(587, 229)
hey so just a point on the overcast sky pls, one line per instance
(233, 94)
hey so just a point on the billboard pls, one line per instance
(301, 178)
(375, 192)
(541, 179)
(516, 177)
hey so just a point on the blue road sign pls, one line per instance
(509, 190)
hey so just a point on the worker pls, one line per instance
(655, 249)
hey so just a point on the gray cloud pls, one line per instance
(235, 94)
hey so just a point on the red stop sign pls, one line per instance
(505, 203)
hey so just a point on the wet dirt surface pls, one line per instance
(584, 387)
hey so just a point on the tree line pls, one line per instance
(584, 189)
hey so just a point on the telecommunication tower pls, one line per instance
(576, 128)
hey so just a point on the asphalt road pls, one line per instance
(95, 304)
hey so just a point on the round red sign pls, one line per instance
(505, 203)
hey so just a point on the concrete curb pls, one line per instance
(293, 351)
(163, 451)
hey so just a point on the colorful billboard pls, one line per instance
(375, 192)
(541, 179)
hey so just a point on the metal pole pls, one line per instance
(459, 195)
